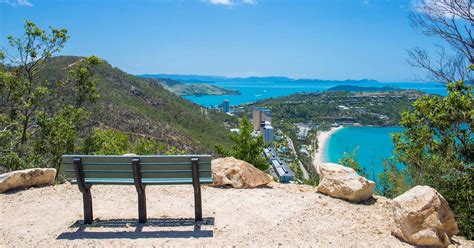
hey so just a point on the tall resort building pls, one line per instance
(260, 116)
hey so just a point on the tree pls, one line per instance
(349, 160)
(436, 146)
(39, 118)
(246, 147)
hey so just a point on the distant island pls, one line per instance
(193, 89)
(275, 79)
(355, 88)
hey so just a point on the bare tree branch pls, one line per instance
(451, 21)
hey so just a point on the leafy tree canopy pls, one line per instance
(246, 147)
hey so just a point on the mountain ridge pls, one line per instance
(142, 107)
(212, 79)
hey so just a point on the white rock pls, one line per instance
(238, 174)
(129, 155)
(27, 178)
(423, 217)
(343, 182)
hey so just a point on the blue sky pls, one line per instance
(326, 39)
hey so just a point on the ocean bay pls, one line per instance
(260, 90)
(371, 146)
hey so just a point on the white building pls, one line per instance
(268, 134)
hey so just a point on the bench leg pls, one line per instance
(137, 177)
(197, 204)
(197, 190)
(85, 190)
(88, 214)
(142, 207)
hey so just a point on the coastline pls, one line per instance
(322, 139)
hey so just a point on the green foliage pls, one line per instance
(174, 151)
(313, 179)
(39, 120)
(393, 181)
(149, 146)
(57, 135)
(145, 146)
(246, 147)
(437, 149)
(108, 142)
(324, 107)
(349, 160)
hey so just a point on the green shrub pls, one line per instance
(145, 146)
(108, 142)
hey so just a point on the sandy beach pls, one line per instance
(323, 138)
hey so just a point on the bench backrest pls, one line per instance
(157, 169)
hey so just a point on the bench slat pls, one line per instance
(144, 166)
(143, 159)
(159, 181)
(125, 174)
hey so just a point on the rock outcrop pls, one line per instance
(343, 182)
(423, 218)
(237, 174)
(27, 178)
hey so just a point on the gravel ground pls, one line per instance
(286, 215)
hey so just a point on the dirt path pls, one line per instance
(282, 215)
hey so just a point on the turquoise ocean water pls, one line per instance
(372, 146)
(254, 91)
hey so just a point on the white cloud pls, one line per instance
(24, 3)
(249, 1)
(231, 2)
(366, 2)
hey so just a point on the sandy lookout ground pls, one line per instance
(288, 215)
(323, 138)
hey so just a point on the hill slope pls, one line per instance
(143, 107)
(197, 89)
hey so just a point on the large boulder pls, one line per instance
(343, 182)
(27, 178)
(423, 217)
(237, 174)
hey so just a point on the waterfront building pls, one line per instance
(226, 106)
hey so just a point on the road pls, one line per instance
(292, 147)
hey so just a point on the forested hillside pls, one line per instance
(141, 107)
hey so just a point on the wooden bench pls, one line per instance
(87, 170)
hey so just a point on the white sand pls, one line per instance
(323, 138)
